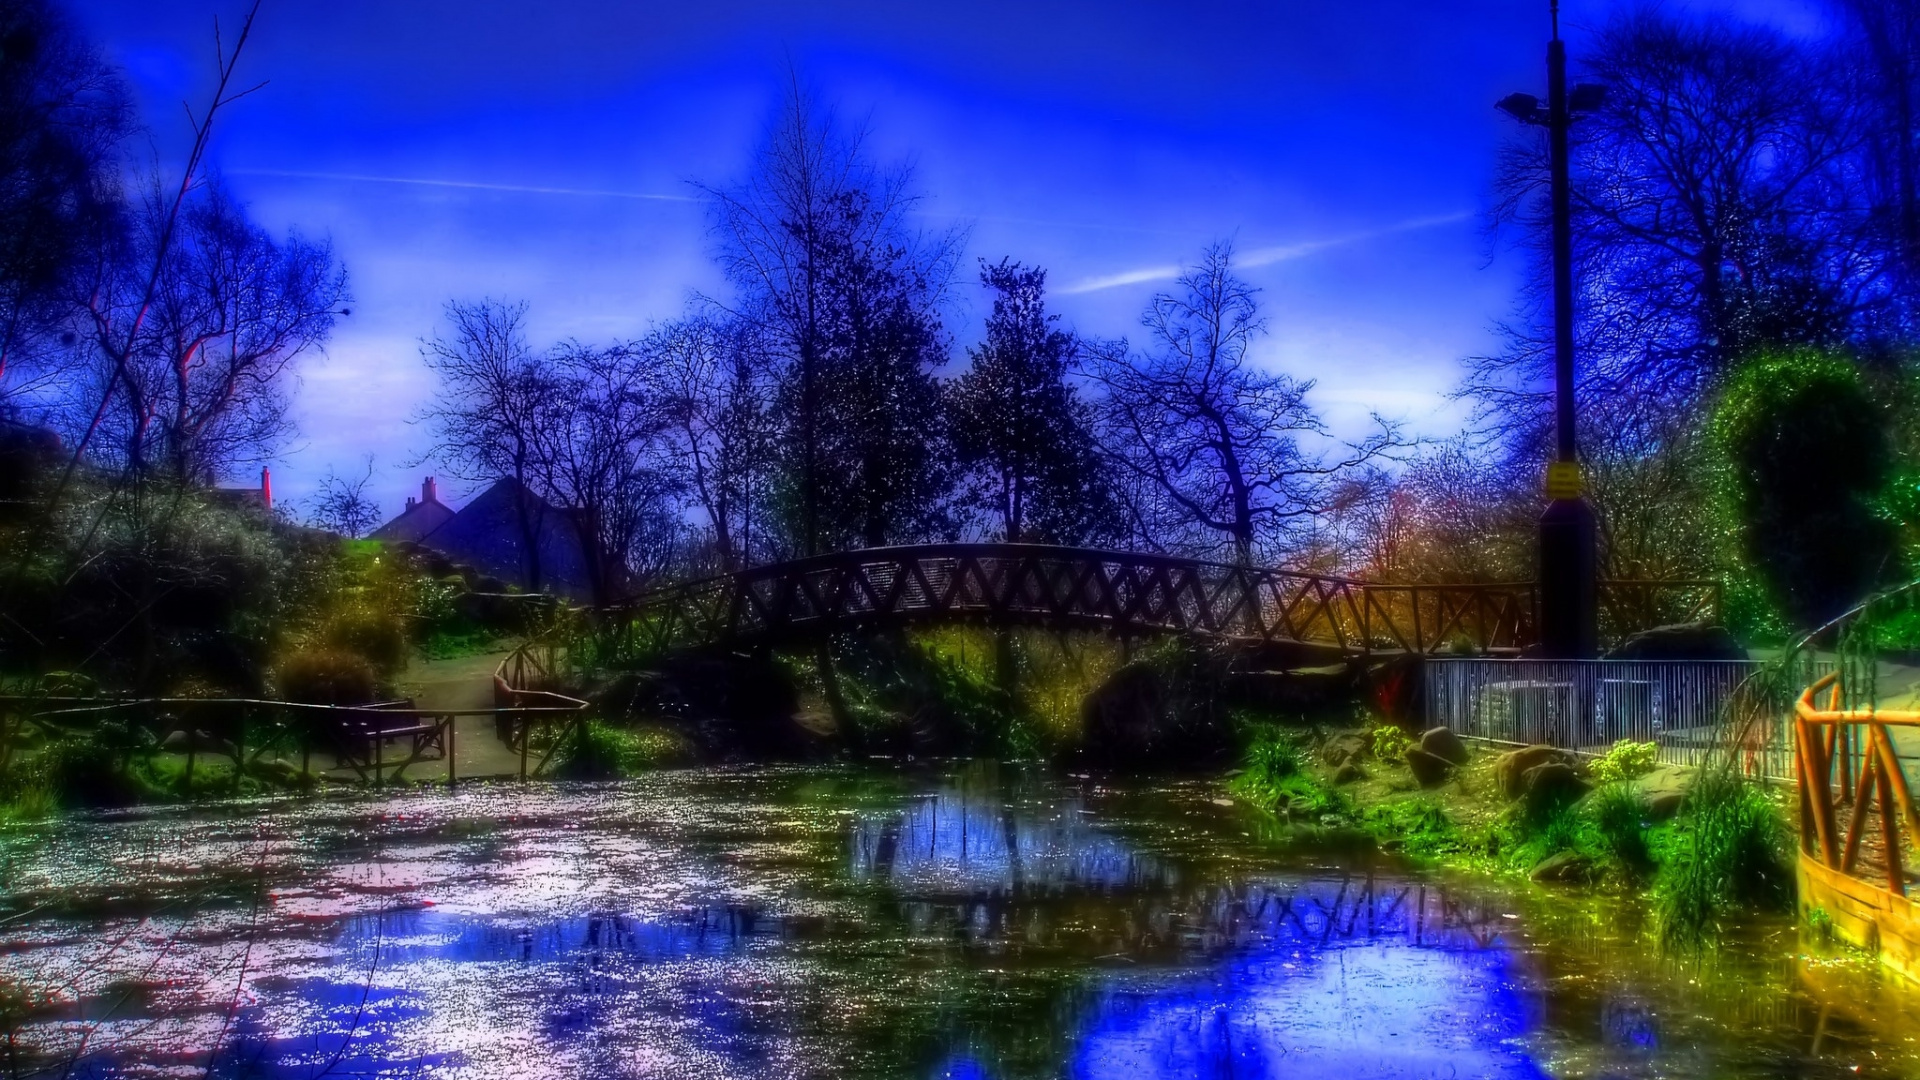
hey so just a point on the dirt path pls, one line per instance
(464, 682)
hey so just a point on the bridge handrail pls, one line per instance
(1128, 591)
(1826, 737)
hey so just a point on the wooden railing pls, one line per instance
(1848, 764)
(1118, 592)
(357, 736)
(529, 708)
(1856, 745)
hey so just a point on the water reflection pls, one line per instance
(829, 923)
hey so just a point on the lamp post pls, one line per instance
(1568, 563)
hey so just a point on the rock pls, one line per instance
(180, 742)
(1430, 770)
(1444, 744)
(1565, 867)
(1552, 785)
(1665, 789)
(280, 772)
(1349, 774)
(1665, 805)
(1510, 769)
(1341, 749)
(1682, 641)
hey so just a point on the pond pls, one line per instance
(879, 920)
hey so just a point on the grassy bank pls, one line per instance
(1726, 849)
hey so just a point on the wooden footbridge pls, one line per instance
(1123, 593)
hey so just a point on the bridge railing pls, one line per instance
(1121, 592)
(1859, 832)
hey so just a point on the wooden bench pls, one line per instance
(361, 735)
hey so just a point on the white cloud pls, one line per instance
(1266, 256)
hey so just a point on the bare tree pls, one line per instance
(343, 506)
(1227, 455)
(232, 310)
(117, 319)
(63, 115)
(603, 455)
(493, 401)
(1714, 212)
(719, 384)
(1884, 38)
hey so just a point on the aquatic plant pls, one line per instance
(1419, 828)
(1620, 817)
(1274, 776)
(1731, 850)
(1820, 924)
(598, 750)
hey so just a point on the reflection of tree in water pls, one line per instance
(1023, 910)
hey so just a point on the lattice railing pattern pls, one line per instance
(1071, 587)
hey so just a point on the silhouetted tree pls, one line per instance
(1883, 38)
(343, 506)
(1214, 443)
(719, 384)
(602, 454)
(817, 243)
(492, 402)
(1715, 213)
(63, 115)
(1020, 429)
(218, 332)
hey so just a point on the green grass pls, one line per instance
(1621, 821)
(602, 751)
(1275, 778)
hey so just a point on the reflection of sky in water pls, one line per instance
(1373, 1011)
(709, 926)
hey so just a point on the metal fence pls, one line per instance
(1586, 705)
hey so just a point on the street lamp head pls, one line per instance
(1586, 97)
(1522, 107)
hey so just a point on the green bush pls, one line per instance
(602, 751)
(376, 636)
(322, 676)
(1626, 760)
(1805, 459)
(1275, 778)
(1389, 741)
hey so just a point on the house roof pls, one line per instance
(490, 535)
(421, 517)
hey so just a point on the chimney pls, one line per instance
(411, 502)
(266, 488)
(429, 491)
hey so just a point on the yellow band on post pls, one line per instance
(1565, 481)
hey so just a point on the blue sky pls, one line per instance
(545, 151)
